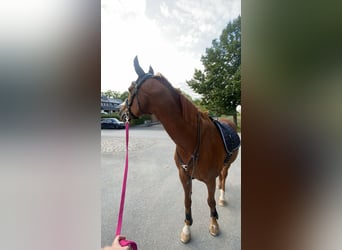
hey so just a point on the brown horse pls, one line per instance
(200, 153)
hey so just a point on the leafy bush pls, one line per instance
(140, 120)
(113, 115)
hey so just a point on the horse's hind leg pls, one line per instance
(187, 186)
(222, 185)
(213, 227)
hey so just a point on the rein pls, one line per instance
(123, 194)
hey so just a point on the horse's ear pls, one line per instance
(137, 67)
(151, 70)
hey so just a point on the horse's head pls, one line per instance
(127, 109)
(131, 108)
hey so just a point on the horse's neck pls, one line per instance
(180, 125)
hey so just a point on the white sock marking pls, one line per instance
(186, 230)
(221, 195)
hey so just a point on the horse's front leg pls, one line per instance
(213, 227)
(187, 186)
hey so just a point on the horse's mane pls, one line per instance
(166, 83)
(187, 107)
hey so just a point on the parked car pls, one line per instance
(111, 123)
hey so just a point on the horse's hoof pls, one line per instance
(214, 230)
(222, 203)
(185, 238)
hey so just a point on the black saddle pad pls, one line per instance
(229, 137)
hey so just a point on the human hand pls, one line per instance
(116, 244)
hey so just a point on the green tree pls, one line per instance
(220, 81)
(112, 94)
(124, 95)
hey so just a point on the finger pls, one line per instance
(121, 237)
(117, 239)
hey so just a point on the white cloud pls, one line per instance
(171, 40)
(203, 20)
(164, 10)
(186, 40)
(125, 32)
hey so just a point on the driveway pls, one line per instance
(154, 206)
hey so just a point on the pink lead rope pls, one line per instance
(123, 194)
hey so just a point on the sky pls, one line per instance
(169, 35)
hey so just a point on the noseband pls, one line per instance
(138, 84)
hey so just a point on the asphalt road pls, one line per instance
(154, 207)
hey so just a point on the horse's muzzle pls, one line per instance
(124, 115)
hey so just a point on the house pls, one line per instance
(110, 105)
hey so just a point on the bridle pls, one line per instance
(138, 83)
(142, 77)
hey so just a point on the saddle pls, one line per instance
(230, 138)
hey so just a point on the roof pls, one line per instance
(111, 100)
